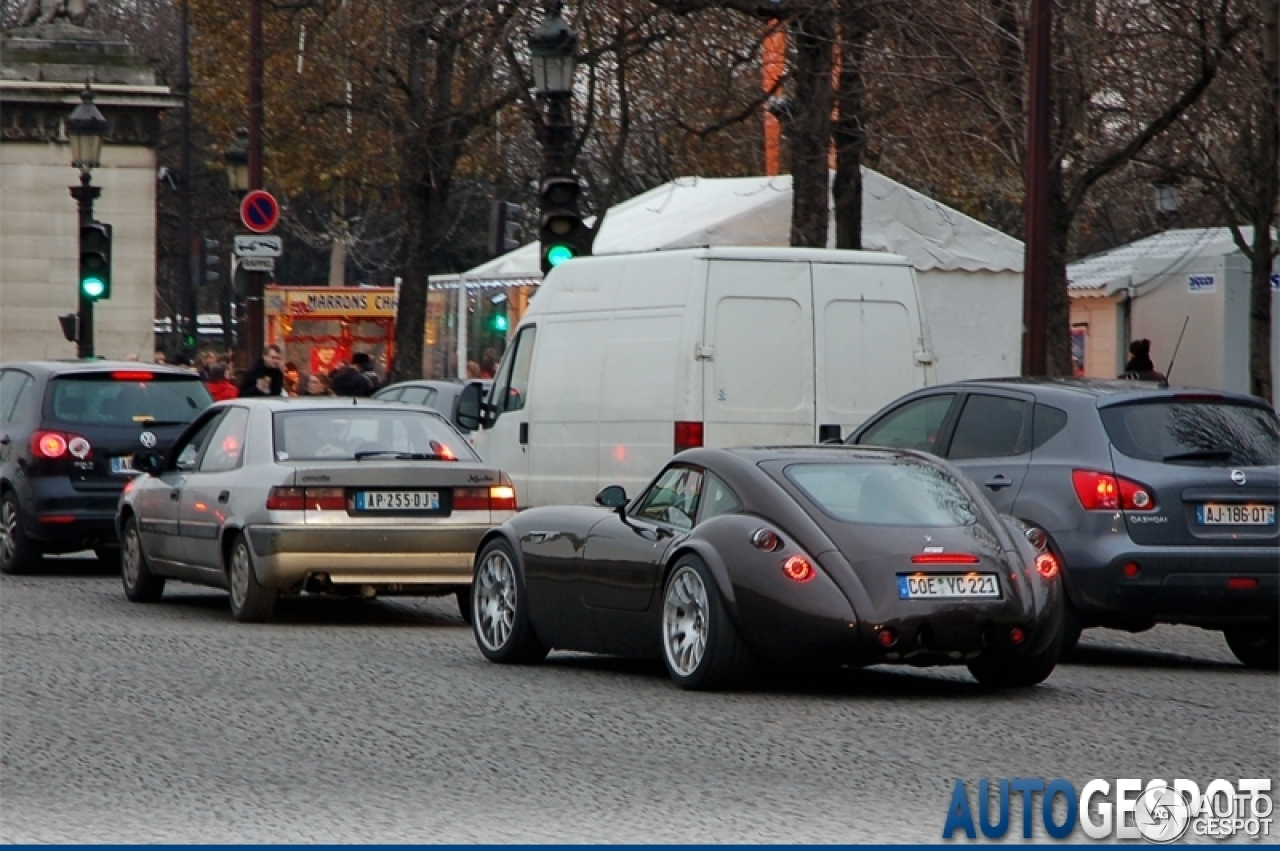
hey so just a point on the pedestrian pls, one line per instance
(473, 370)
(292, 379)
(363, 362)
(266, 378)
(318, 385)
(349, 381)
(1140, 367)
(159, 358)
(207, 360)
(217, 384)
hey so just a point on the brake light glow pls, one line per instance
(798, 569)
(944, 558)
(57, 518)
(1016, 635)
(499, 497)
(502, 498)
(438, 448)
(132, 375)
(688, 435)
(48, 444)
(1243, 583)
(1105, 492)
(1047, 565)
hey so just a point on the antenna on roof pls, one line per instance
(1176, 346)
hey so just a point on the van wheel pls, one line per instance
(140, 584)
(1257, 647)
(1019, 671)
(700, 644)
(250, 601)
(18, 553)
(500, 609)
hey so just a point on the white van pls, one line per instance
(622, 360)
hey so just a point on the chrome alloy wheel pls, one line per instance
(684, 621)
(131, 557)
(8, 532)
(494, 598)
(239, 576)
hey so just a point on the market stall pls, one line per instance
(319, 328)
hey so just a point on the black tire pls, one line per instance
(500, 609)
(1019, 671)
(250, 601)
(1257, 646)
(1072, 626)
(140, 584)
(18, 553)
(694, 613)
(463, 596)
(109, 556)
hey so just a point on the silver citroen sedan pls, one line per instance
(274, 497)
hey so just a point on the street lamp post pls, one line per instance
(236, 160)
(553, 58)
(85, 130)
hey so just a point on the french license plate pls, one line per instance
(936, 586)
(1247, 514)
(397, 500)
(122, 465)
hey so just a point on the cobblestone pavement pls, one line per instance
(380, 722)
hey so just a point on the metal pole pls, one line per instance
(84, 194)
(1035, 298)
(256, 280)
(188, 287)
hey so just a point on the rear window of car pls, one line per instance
(884, 493)
(340, 434)
(125, 398)
(1212, 433)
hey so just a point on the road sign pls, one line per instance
(258, 264)
(258, 246)
(259, 211)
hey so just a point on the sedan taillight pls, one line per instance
(500, 497)
(286, 499)
(306, 499)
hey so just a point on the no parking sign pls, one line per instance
(259, 211)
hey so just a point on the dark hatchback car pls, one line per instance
(1160, 502)
(68, 434)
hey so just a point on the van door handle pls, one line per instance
(4, 441)
(998, 481)
(524, 433)
(173, 495)
(224, 496)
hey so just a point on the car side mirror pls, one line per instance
(467, 414)
(613, 496)
(151, 463)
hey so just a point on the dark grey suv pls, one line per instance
(1160, 502)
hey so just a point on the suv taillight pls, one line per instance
(1105, 492)
(55, 444)
(308, 499)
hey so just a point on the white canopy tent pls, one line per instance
(957, 259)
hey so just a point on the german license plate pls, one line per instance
(122, 465)
(1223, 514)
(397, 500)
(938, 586)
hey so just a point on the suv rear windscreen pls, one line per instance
(1214, 433)
(125, 398)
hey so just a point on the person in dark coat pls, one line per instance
(1140, 366)
(266, 378)
(348, 381)
(363, 362)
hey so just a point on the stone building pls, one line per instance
(43, 68)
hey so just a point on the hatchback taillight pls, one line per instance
(55, 444)
(1105, 492)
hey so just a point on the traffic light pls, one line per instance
(562, 235)
(505, 219)
(209, 261)
(95, 261)
(498, 322)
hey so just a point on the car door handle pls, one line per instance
(174, 495)
(224, 496)
(998, 481)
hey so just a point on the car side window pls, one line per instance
(226, 446)
(673, 498)
(417, 395)
(187, 451)
(989, 427)
(915, 425)
(1045, 423)
(511, 386)
(717, 499)
(388, 395)
(12, 386)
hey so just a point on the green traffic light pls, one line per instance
(557, 254)
(500, 322)
(93, 287)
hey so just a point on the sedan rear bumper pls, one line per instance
(367, 555)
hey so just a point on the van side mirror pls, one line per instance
(151, 463)
(467, 415)
(613, 496)
(829, 433)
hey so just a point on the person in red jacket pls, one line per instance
(218, 386)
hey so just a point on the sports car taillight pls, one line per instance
(1047, 565)
(1105, 492)
(798, 568)
(766, 539)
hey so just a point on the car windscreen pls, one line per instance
(347, 434)
(125, 398)
(1209, 432)
(895, 492)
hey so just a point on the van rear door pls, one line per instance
(866, 331)
(757, 348)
